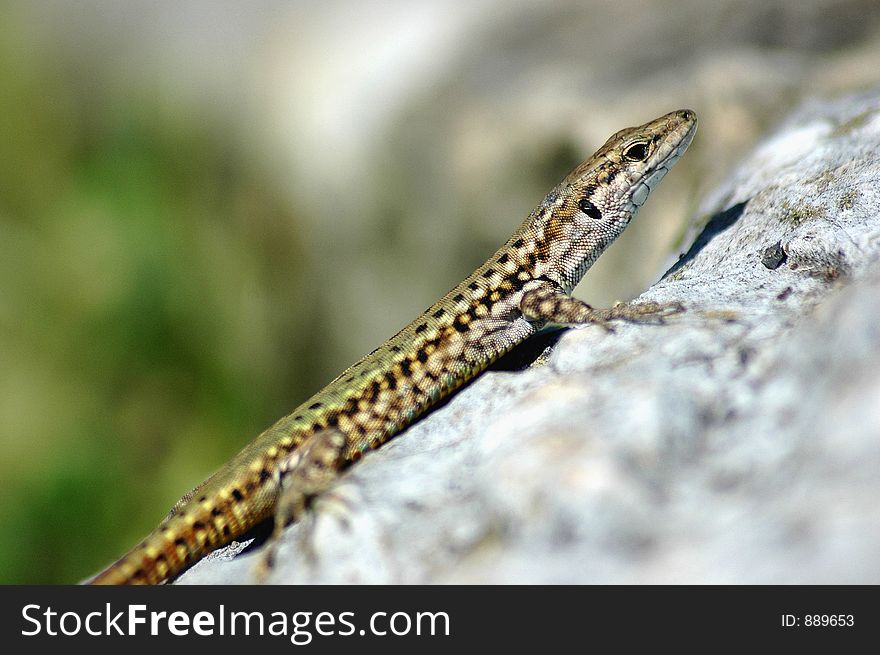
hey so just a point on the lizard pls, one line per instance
(523, 288)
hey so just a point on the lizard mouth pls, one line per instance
(650, 182)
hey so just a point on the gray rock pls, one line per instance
(738, 442)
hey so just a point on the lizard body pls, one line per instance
(520, 289)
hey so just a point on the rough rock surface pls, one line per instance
(739, 442)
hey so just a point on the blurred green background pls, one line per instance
(150, 282)
(208, 209)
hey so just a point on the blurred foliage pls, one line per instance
(147, 310)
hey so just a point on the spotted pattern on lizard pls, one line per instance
(523, 287)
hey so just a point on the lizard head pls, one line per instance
(597, 200)
(616, 181)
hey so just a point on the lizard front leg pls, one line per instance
(549, 304)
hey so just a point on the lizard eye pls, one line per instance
(638, 151)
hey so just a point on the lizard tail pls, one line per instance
(190, 532)
(166, 552)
